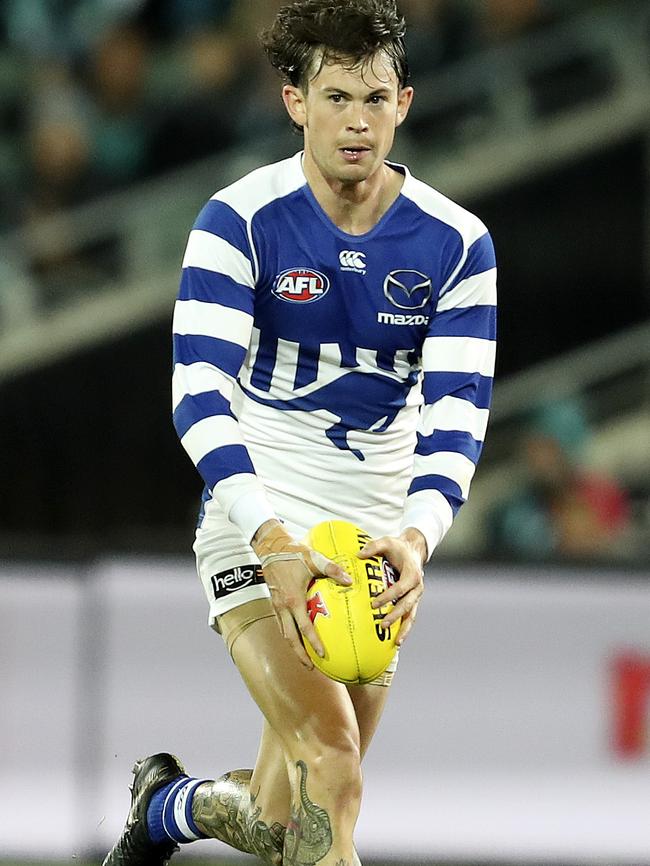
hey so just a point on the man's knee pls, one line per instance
(329, 763)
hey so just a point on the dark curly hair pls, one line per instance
(351, 31)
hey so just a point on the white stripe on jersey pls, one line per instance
(252, 192)
(477, 289)
(329, 365)
(367, 360)
(199, 378)
(434, 203)
(284, 371)
(452, 413)
(450, 464)
(402, 365)
(212, 253)
(459, 355)
(212, 320)
(249, 362)
(210, 433)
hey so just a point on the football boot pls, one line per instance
(134, 847)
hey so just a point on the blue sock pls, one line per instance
(169, 815)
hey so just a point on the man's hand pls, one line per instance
(407, 554)
(288, 569)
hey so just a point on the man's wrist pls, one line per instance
(262, 530)
(415, 539)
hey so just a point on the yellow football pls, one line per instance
(357, 649)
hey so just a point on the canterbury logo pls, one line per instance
(351, 260)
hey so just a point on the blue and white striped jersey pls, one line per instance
(347, 374)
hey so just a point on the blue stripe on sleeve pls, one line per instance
(196, 407)
(467, 386)
(475, 321)
(192, 348)
(220, 219)
(449, 489)
(198, 284)
(223, 462)
(480, 258)
(450, 440)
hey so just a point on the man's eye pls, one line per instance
(375, 100)
(336, 97)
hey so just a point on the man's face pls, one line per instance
(349, 117)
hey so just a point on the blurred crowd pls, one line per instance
(562, 508)
(96, 94)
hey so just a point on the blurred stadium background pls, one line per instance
(519, 727)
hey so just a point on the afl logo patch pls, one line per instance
(300, 285)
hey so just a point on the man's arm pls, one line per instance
(458, 367)
(213, 321)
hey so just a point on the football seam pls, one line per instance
(352, 640)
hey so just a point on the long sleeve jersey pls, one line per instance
(331, 374)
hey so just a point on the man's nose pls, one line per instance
(357, 122)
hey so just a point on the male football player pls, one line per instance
(334, 350)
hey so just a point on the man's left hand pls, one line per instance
(407, 554)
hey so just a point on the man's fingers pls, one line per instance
(406, 624)
(323, 565)
(375, 547)
(405, 584)
(309, 632)
(401, 609)
(290, 633)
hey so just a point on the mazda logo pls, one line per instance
(407, 289)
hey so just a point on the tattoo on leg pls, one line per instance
(309, 833)
(227, 810)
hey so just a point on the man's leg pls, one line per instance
(230, 810)
(314, 720)
(250, 810)
(250, 817)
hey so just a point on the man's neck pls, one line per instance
(354, 207)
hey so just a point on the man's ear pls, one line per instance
(294, 102)
(404, 100)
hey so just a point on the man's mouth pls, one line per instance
(355, 153)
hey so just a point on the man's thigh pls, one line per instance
(285, 690)
(298, 703)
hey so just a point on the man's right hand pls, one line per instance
(289, 567)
